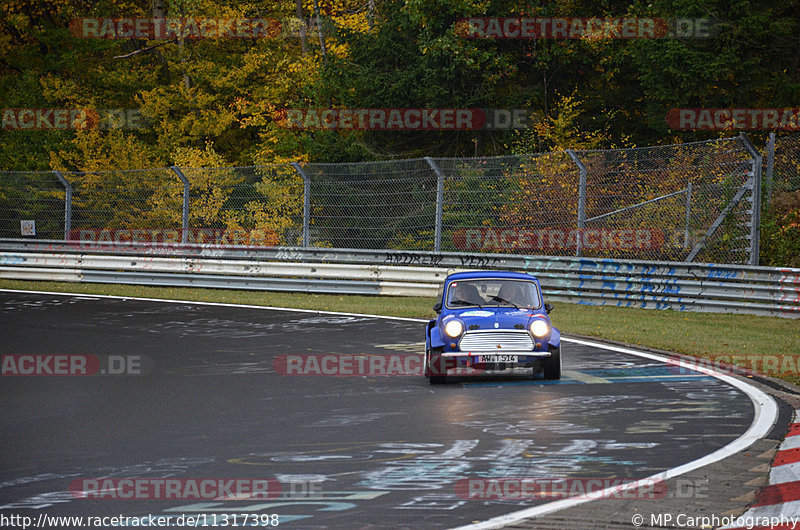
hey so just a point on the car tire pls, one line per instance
(434, 365)
(552, 364)
(426, 372)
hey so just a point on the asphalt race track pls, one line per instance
(350, 452)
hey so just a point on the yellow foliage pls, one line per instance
(563, 130)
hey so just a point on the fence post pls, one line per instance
(770, 164)
(437, 233)
(688, 215)
(185, 216)
(67, 203)
(755, 218)
(306, 204)
(581, 200)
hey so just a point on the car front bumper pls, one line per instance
(478, 354)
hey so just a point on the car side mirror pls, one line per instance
(549, 307)
(437, 307)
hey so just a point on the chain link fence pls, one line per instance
(688, 202)
(32, 203)
(782, 165)
(227, 206)
(373, 205)
(780, 236)
(684, 202)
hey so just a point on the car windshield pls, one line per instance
(492, 292)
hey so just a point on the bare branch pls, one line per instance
(136, 52)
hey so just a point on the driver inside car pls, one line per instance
(513, 293)
(466, 292)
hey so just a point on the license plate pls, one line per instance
(497, 358)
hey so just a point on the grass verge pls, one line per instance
(767, 345)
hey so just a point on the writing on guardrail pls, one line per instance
(12, 259)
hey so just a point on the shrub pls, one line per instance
(780, 231)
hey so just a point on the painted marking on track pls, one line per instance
(331, 501)
(523, 382)
(314, 456)
(645, 379)
(764, 415)
(584, 377)
(576, 377)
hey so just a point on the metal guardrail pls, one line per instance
(651, 285)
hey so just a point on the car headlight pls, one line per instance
(454, 328)
(539, 328)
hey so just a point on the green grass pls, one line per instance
(702, 334)
(377, 305)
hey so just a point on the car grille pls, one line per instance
(489, 340)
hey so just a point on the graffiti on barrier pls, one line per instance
(412, 258)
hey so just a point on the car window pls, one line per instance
(492, 292)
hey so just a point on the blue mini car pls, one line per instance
(491, 320)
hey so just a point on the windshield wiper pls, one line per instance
(504, 301)
(464, 302)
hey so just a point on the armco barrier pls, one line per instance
(645, 284)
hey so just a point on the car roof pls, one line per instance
(510, 275)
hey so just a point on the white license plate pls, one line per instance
(497, 358)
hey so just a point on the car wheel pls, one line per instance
(552, 364)
(426, 364)
(435, 367)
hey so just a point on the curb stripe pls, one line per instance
(794, 430)
(787, 473)
(778, 494)
(788, 526)
(780, 500)
(789, 456)
(791, 443)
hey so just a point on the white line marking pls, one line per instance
(785, 473)
(216, 304)
(765, 411)
(792, 442)
(787, 509)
